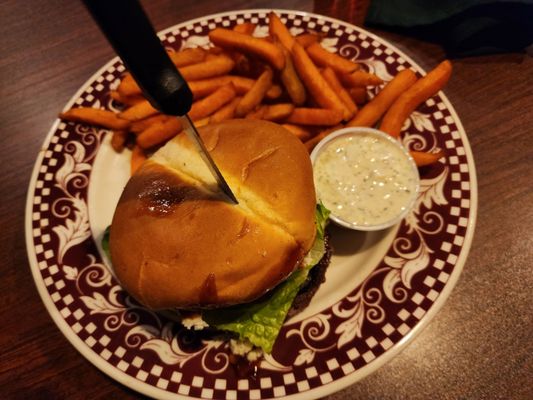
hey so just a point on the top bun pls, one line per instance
(177, 242)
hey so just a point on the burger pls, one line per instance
(176, 242)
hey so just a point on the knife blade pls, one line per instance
(193, 135)
(129, 31)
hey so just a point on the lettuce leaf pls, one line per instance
(260, 321)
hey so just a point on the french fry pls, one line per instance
(242, 85)
(115, 95)
(219, 65)
(277, 112)
(324, 58)
(361, 78)
(188, 56)
(274, 112)
(127, 100)
(291, 80)
(212, 56)
(331, 78)
(205, 87)
(128, 86)
(255, 95)
(301, 132)
(94, 116)
(315, 116)
(277, 29)
(158, 133)
(322, 93)
(423, 158)
(226, 112)
(375, 108)
(208, 105)
(358, 94)
(246, 28)
(137, 158)
(201, 122)
(118, 140)
(215, 50)
(274, 92)
(307, 39)
(311, 143)
(138, 111)
(256, 114)
(418, 93)
(137, 127)
(247, 44)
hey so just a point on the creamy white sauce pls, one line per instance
(364, 180)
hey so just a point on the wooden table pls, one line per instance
(479, 346)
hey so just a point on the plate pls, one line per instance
(381, 287)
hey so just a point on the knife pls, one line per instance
(129, 31)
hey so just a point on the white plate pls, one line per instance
(381, 287)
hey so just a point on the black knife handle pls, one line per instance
(129, 31)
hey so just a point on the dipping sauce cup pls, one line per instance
(366, 178)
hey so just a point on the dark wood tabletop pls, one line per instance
(479, 346)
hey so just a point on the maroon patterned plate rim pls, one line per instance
(322, 353)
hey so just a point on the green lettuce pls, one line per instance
(260, 322)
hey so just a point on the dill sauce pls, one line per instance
(364, 179)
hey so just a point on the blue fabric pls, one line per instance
(409, 13)
(462, 27)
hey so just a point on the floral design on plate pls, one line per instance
(380, 287)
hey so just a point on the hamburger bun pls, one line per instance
(177, 242)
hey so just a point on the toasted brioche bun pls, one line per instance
(177, 242)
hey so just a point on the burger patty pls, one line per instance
(317, 276)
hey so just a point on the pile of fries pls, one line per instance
(290, 80)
